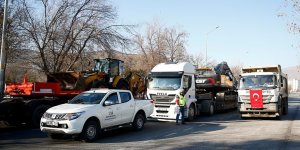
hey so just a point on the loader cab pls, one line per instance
(112, 67)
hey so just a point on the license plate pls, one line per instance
(52, 123)
(162, 109)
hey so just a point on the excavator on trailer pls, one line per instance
(216, 88)
(27, 101)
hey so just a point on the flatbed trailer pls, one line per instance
(27, 101)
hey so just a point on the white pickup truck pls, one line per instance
(91, 112)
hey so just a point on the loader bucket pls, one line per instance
(67, 79)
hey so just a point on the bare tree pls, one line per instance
(199, 61)
(59, 32)
(159, 44)
(236, 70)
(175, 44)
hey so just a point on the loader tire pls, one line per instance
(122, 85)
(99, 84)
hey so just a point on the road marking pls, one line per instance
(201, 125)
(170, 134)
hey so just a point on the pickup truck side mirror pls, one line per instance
(108, 103)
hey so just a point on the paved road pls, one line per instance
(221, 131)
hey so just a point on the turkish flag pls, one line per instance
(256, 99)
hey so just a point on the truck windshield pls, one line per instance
(160, 83)
(87, 98)
(258, 81)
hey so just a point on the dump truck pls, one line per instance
(203, 92)
(27, 101)
(263, 92)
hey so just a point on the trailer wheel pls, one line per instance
(37, 114)
(211, 109)
(138, 122)
(90, 131)
(191, 113)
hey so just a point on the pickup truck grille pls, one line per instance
(161, 99)
(266, 98)
(53, 116)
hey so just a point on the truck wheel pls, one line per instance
(211, 109)
(138, 122)
(37, 115)
(279, 112)
(286, 107)
(55, 136)
(90, 131)
(191, 113)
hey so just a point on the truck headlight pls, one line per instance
(72, 116)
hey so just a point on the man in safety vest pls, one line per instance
(182, 105)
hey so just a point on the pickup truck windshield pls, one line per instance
(258, 81)
(160, 83)
(87, 98)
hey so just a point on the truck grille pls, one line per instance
(266, 98)
(161, 99)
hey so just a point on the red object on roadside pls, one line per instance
(256, 99)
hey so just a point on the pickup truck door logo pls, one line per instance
(110, 115)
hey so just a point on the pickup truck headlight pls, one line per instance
(72, 116)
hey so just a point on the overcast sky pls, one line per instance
(250, 31)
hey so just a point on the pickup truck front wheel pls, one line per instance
(90, 131)
(138, 122)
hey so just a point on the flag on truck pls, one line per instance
(256, 99)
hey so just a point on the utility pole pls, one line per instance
(3, 52)
(206, 43)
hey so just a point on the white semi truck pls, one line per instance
(167, 80)
(263, 92)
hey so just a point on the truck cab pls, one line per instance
(167, 80)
